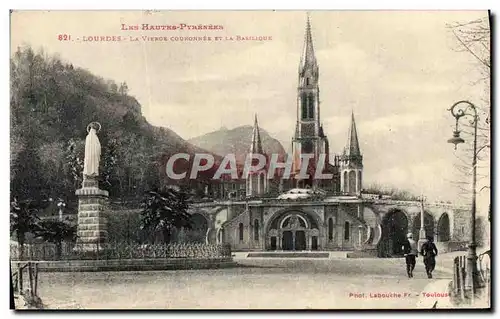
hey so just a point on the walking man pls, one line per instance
(429, 252)
(411, 251)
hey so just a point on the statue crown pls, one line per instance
(94, 125)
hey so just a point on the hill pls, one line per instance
(237, 141)
(52, 102)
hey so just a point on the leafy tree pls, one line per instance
(29, 180)
(164, 211)
(74, 163)
(57, 231)
(108, 167)
(123, 88)
(24, 219)
(51, 104)
(394, 193)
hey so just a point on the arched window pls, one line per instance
(345, 182)
(310, 113)
(352, 182)
(240, 231)
(444, 228)
(303, 104)
(330, 229)
(307, 81)
(256, 229)
(360, 185)
(347, 230)
(221, 236)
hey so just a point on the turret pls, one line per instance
(256, 182)
(351, 168)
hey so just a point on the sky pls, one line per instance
(397, 71)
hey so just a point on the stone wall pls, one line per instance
(349, 240)
(232, 232)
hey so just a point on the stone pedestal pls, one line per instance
(92, 221)
(421, 238)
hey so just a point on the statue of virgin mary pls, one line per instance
(92, 151)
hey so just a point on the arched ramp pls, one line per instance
(428, 226)
(443, 228)
(394, 230)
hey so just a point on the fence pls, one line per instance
(485, 271)
(25, 298)
(459, 275)
(70, 251)
(463, 287)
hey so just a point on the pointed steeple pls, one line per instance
(256, 147)
(308, 58)
(352, 147)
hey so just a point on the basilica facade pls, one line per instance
(321, 214)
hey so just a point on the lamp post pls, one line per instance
(459, 110)
(61, 204)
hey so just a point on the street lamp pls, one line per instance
(459, 110)
(61, 204)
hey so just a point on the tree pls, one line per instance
(24, 219)
(74, 164)
(57, 231)
(108, 167)
(473, 38)
(29, 181)
(164, 211)
(51, 102)
(123, 90)
(396, 194)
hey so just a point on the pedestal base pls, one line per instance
(421, 238)
(92, 222)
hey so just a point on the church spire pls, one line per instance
(308, 58)
(352, 148)
(256, 147)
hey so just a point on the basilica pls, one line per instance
(297, 214)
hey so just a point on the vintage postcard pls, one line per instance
(250, 159)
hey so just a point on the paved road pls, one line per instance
(256, 284)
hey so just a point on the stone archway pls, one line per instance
(443, 228)
(428, 226)
(394, 230)
(220, 236)
(292, 230)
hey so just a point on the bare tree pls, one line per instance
(473, 38)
